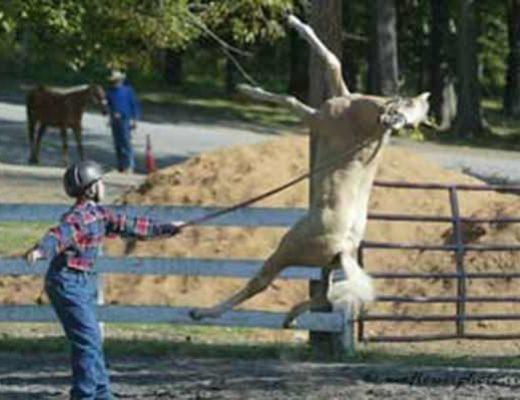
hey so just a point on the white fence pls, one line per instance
(336, 323)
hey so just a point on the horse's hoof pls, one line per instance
(195, 315)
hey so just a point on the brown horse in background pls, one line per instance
(60, 108)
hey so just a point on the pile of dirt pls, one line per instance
(230, 176)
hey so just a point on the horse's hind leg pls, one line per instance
(79, 142)
(258, 283)
(64, 146)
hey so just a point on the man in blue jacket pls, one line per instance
(124, 111)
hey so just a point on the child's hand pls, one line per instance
(33, 255)
(177, 227)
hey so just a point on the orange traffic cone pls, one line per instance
(149, 158)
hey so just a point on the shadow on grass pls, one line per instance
(169, 108)
(281, 351)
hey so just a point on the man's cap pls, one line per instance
(116, 75)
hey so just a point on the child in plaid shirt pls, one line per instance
(70, 282)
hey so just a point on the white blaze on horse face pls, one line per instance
(415, 110)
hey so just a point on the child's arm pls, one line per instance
(55, 241)
(139, 227)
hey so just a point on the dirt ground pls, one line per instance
(146, 378)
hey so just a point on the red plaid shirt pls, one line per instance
(82, 229)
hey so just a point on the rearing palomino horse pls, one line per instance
(350, 132)
(59, 108)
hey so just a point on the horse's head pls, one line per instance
(405, 112)
(98, 95)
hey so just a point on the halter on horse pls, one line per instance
(59, 108)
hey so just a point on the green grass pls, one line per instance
(17, 237)
(157, 347)
(239, 343)
(155, 340)
(206, 347)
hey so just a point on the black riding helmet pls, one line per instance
(80, 176)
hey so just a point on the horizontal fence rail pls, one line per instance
(335, 322)
(224, 268)
(247, 217)
(316, 321)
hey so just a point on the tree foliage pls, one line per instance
(127, 32)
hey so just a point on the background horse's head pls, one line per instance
(98, 95)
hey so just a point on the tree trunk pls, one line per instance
(326, 20)
(230, 77)
(173, 69)
(299, 66)
(443, 100)
(348, 61)
(512, 89)
(383, 73)
(469, 117)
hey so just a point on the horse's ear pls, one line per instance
(425, 96)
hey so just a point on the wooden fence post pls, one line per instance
(344, 342)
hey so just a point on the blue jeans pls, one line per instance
(122, 135)
(73, 296)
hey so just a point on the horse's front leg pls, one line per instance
(64, 146)
(36, 152)
(30, 130)
(79, 142)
